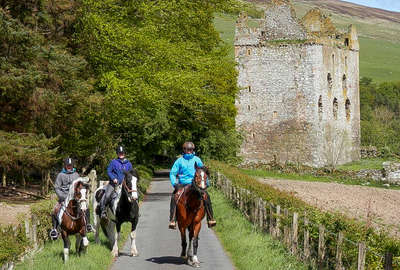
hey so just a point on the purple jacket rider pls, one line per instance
(116, 169)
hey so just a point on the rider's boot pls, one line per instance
(89, 227)
(172, 213)
(209, 211)
(53, 233)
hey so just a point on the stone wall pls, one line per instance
(299, 97)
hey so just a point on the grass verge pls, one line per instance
(248, 247)
(51, 256)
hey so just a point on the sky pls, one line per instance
(393, 5)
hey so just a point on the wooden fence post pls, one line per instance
(278, 221)
(260, 213)
(271, 219)
(306, 238)
(286, 236)
(361, 255)
(388, 261)
(339, 252)
(321, 247)
(295, 230)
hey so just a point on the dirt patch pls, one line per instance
(9, 212)
(377, 206)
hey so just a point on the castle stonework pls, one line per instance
(299, 79)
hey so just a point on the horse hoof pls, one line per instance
(134, 254)
(196, 265)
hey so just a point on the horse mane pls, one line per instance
(71, 191)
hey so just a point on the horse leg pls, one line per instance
(189, 252)
(83, 240)
(96, 221)
(67, 244)
(183, 242)
(197, 227)
(78, 243)
(134, 251)
(114, 251)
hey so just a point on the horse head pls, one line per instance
(81, 194)
(200, 177)
(129, 185)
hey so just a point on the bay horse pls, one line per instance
(124, 208)
(74, 219)
(190, 213)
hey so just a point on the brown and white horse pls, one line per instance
(73, 219)
(190, 212)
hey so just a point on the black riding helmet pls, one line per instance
(68, 161)
(120, 150)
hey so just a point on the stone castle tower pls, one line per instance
(299, 80)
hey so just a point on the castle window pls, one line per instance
(335, 108)
(263, 33)
(254, 136)
(320, 108)
(333, 59)
(249, 88)
(347, 108)
(346, 42)
(248, 107)
(329, 79)
(248, 52)
(274, 114)
(344, 81)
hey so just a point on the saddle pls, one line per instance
(99, 195)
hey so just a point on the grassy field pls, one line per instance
(313, 178)
(51, 257)
(248, 248)
(379, 58)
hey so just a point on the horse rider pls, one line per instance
(115, 172)
(185, 170)
(63, 181)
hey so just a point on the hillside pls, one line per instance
(379, 32)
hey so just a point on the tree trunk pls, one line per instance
(47, 181)
(4, 179)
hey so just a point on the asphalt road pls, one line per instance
(158, 246)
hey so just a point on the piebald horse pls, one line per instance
(73, 219)
(124, 208)
(190, 212)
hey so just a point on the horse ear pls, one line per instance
(195, 166)
(207, 171)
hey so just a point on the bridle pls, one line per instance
(79, 202)
(127, 189)
(196, 186)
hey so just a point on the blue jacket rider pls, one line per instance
(62, 184)
(115, 172)
(184, 170)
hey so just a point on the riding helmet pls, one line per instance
(188, 146)
(68, 161)
(120, 150)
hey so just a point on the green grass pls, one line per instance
(51, 257)
(248, 248)
(379, 57)
(372, 163)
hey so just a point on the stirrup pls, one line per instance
(211, 223)
(53, 234)
(172, 225)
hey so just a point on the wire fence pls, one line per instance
(311, 242)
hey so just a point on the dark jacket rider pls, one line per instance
(115, 172)
(185, 170)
